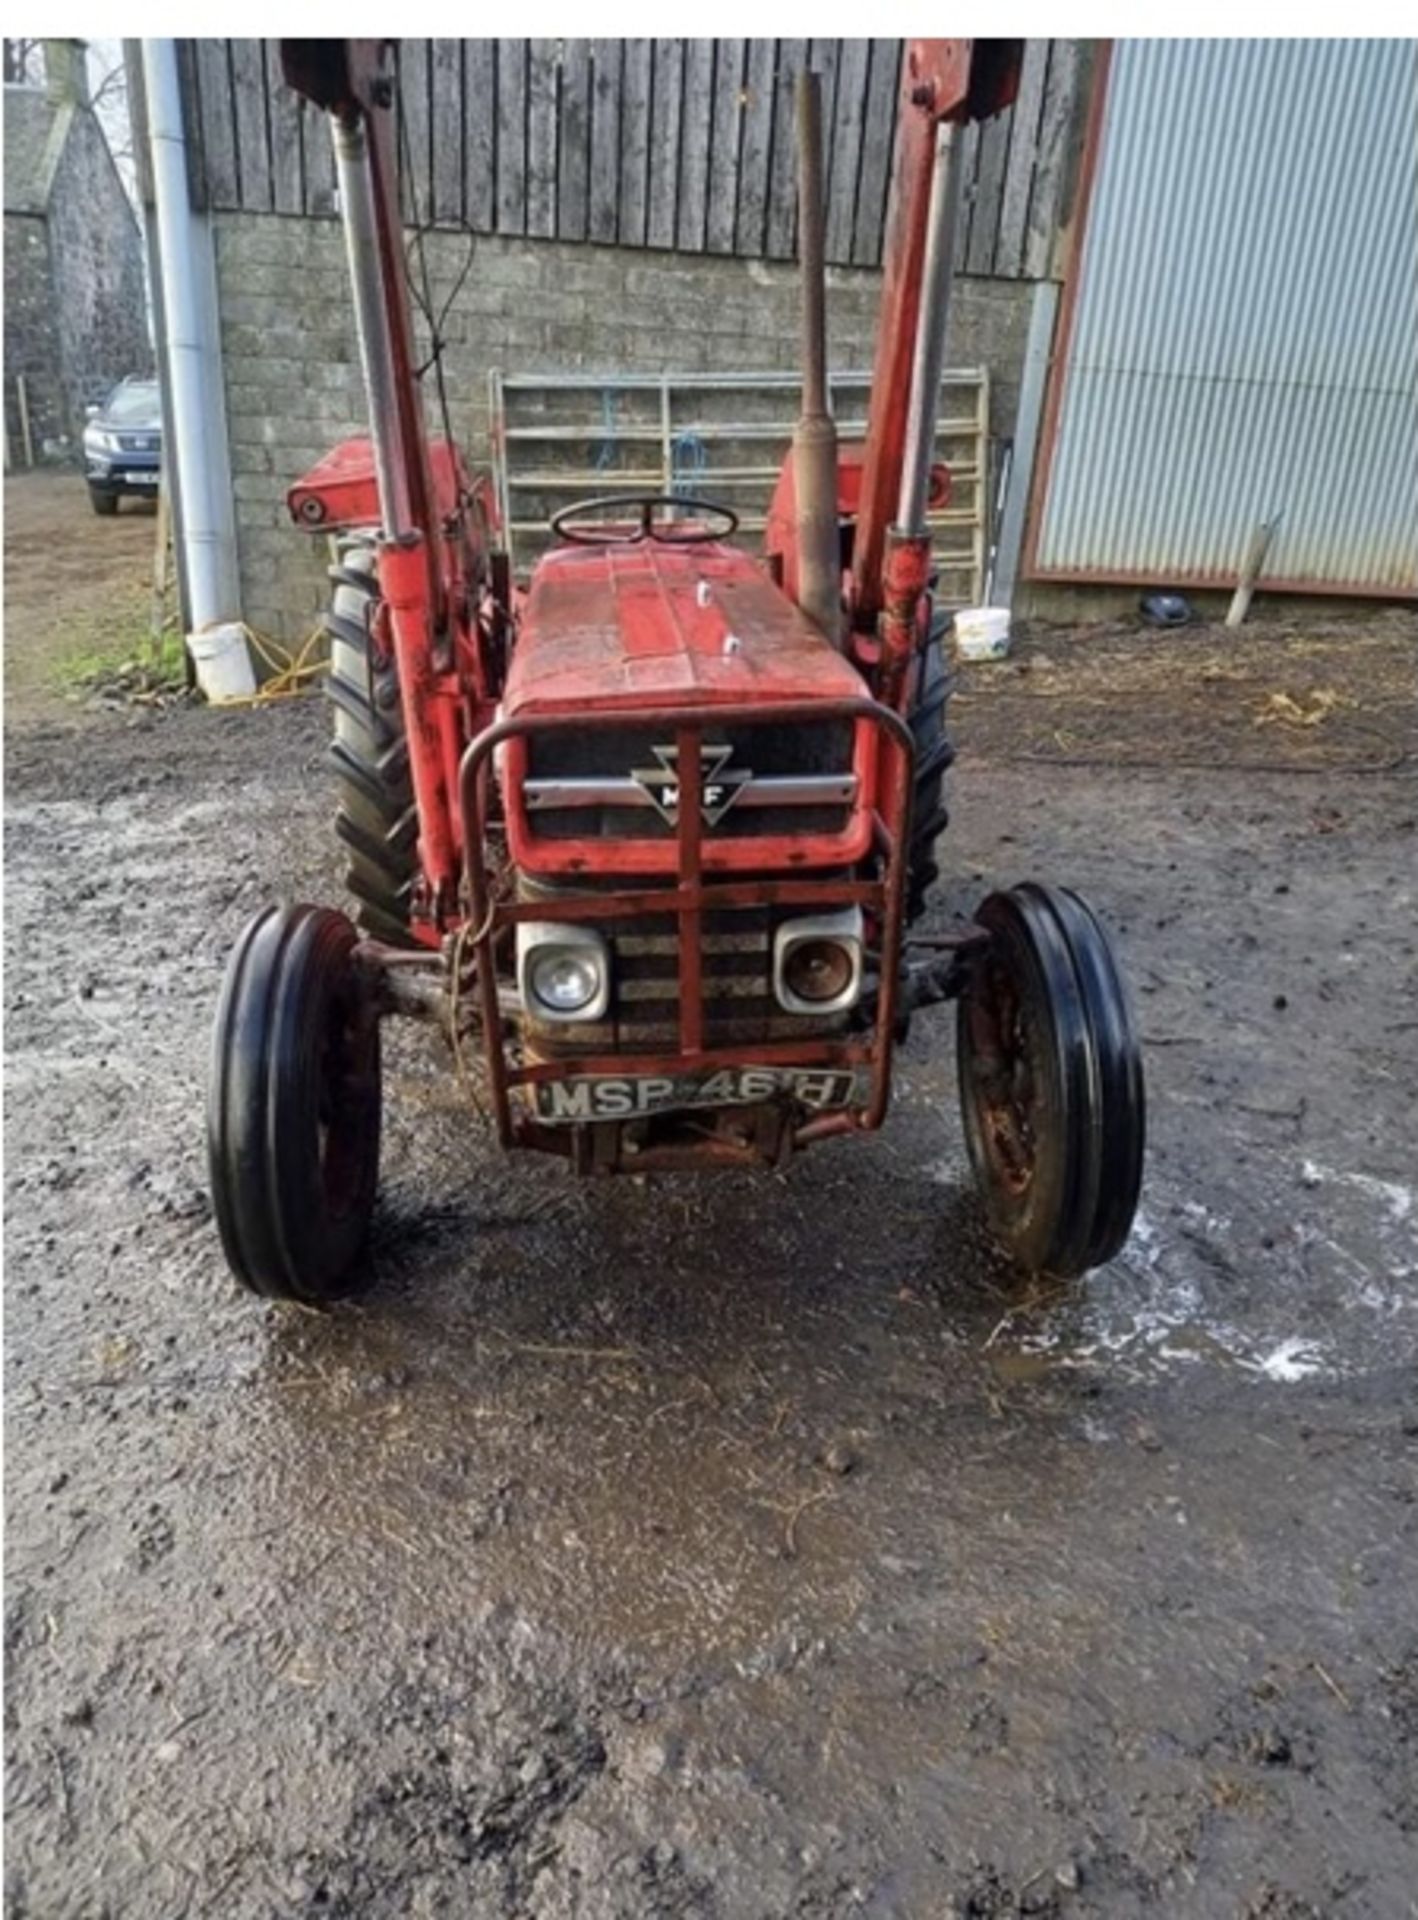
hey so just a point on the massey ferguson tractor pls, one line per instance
(649, 839)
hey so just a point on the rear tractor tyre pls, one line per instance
(930, 701)
(294, 1106)
(1051, 1085)
(375, 816)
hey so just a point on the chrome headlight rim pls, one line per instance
(539, 942)
(843, 928)
(564, 980)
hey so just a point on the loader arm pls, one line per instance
(354, 82)
(944, 84)
(420, 556)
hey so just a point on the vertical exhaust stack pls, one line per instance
(360, 213)
(815, 436)
(928, 360)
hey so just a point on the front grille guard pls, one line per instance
(689, 898)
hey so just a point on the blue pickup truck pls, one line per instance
(123, 445)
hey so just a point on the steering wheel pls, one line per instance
(648, 527)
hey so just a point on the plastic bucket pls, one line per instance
(219, 654)
(982, 633)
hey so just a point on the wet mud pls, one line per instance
(743, 1546)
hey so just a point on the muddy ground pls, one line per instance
(744, 1547)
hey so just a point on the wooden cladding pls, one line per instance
(683, 144)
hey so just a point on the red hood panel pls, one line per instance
(653, 625)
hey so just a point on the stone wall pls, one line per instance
(100, 303)
(31, 338)
(75, 295)
(292, 369)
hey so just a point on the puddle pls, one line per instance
(1146, 1310)
(1397, 1199)
(1166, 1300)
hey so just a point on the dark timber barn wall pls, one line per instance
(629, 206)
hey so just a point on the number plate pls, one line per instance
(140, 477)
(597, 1098)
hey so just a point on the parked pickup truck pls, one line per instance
(123, 445)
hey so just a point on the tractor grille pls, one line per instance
(805, 753)
(739, 1003)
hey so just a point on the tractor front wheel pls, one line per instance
(293, 1108)
(1051, 1086)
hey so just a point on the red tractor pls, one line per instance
(647, 840)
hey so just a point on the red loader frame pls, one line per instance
(436, 547)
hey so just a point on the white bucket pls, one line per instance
(219, 654)
(982, 633)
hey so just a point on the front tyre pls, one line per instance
(103, 501)
(294, 1106)
(1051, 1085)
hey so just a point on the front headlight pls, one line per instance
(99, 440)
(563, 972)
(564, 979)
(817, 962)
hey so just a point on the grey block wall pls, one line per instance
(292, 370)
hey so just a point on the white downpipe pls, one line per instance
(196, 434)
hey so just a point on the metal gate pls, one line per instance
(715, 436)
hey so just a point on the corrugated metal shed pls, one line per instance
(1244, 329)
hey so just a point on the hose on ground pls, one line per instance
(291, 673)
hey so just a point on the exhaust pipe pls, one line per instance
(936, 276)
(906, 569)
(815, 436)
(361, 223)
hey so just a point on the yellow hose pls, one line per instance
(289, 671)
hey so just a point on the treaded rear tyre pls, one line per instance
(375, 817)
(934, 753)
(293, 1107)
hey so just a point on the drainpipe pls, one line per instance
(195, 435)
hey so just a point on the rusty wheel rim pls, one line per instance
(348, 1056)
(1006, 1078)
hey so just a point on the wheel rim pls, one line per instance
(1006, 1079)
(348, 1058)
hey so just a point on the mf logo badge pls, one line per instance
(720, 783)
